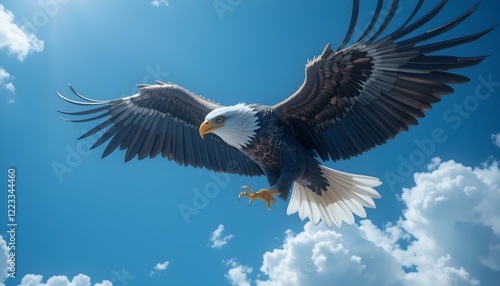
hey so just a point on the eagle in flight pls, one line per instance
(352, 99)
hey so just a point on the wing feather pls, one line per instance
(161, 119)
(387, 21)
(361, 96)
(352, 24)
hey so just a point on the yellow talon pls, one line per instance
(264, 195)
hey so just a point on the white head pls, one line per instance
(236, 125)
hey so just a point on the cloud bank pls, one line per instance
(449, 234)
(16, 40)
(78, 280)
(36, 280)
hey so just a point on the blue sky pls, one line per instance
(82, 220)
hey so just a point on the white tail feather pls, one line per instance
(346, 195)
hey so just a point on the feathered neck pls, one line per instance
(240, 124)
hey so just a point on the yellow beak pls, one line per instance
(207, 127)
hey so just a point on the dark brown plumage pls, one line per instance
(352, 100)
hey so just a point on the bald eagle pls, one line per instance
(352, 99)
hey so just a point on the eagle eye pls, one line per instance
(220, 119)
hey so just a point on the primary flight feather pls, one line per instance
(352, 100)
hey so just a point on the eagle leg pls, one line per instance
(264, 195)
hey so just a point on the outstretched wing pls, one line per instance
(361, 96)
(162, 118)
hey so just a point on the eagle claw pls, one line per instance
(264, 195)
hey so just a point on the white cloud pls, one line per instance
(5, 83)
(159, 267)
(162, 266)
(36, 280)
(434, 164)
(237, 274)
(4, 255)
(496, 139)
(104, 283)
(449, 234)
(318, 256)
(216, 237)
(16, 40)
(10, 86)
(78, 280)
(157, 3)
(5, 80)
